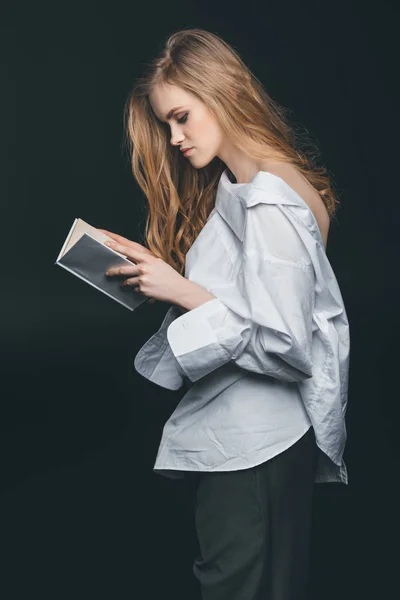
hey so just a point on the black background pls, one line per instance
(82, 513)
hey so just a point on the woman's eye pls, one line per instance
(183, 119)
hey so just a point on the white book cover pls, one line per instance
(84, 255)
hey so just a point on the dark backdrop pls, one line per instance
(82, 513)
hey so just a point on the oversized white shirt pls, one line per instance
(269, 356)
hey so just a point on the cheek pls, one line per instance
(206, 131)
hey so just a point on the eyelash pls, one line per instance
(184, 117)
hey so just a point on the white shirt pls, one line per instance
(269, 356)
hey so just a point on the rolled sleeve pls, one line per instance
(206, 337)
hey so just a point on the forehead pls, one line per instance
(165, 97)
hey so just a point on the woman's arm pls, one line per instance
(190, 295)
(263, 319)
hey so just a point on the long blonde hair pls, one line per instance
(180, 197)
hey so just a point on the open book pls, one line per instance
(85, 255)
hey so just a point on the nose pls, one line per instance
(176, 138)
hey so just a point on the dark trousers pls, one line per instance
(254, 527)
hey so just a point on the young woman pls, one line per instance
(257, 331)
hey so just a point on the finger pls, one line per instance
(132, 253)
(120, 239)
(132, 281)
(116, 237)
(122, 271)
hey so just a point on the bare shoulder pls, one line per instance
(296, 180)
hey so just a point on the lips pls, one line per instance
(186, 151)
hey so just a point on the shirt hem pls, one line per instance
(173, 471)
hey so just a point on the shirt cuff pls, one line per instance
(194, 342)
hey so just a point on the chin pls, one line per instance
(201, 162)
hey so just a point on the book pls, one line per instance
(84, 255)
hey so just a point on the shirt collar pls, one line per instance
(233, 200)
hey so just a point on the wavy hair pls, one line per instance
(180, 197)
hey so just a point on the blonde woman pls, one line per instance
(257, 331)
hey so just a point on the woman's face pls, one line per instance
(192, 124)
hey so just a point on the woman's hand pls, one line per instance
(151, 276)
(124, 241)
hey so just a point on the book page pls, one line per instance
(77, 232)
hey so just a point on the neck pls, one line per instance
(240, 166)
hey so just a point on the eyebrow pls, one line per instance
(171, 112)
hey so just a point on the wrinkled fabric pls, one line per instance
(277, 335)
